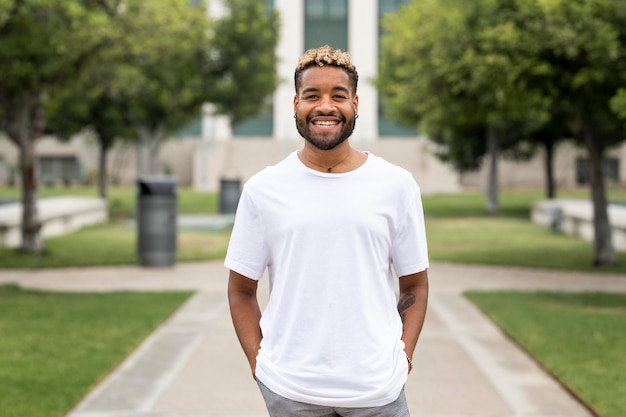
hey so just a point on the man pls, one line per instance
(329, 223)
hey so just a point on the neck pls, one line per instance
(336, 160)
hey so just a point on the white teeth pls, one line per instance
(325, 123)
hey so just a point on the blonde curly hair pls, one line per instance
(325, 55)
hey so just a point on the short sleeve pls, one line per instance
(247, 250)
(409, 250)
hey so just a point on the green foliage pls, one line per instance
(158, 71)
(55, 346)
(454, 66)
(44, 45)
(168, 58)
(460, 63)
(618, 103)
(521, 70)
(242, 60)
(44, 42)
(579, 337)
(584, 51)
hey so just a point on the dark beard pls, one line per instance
(345, 133)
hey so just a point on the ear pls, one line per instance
(295, 102)
(355, 101)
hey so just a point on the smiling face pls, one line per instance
(325, 107)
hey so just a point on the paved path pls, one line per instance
(192, 366)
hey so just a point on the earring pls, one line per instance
(294, 115)
(356, 116)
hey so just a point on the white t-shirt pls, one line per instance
(331, 329)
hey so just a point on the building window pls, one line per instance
(385, 6)
(387, 127)
(258, 126)
(59, 170)
(193, 128)
(326, 23)
(610, 170)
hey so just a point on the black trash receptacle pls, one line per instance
(156, 221)
(230, 191)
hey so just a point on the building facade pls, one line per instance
(351, 25)
(213, 150)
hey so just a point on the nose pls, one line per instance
(326, 104)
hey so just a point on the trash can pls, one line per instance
(230, 191)
(156, 221)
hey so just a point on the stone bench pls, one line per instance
(58, 216)
(575, 218)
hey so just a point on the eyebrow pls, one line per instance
(314, 89)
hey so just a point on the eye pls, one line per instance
(310, 97)
(340, 97)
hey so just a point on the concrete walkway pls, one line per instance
(192, 366)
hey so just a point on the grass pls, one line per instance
(460, 231)
(115, 243)
(579, 337)
(457, 226)
(111, 245)
(508, 241)
(55, 346)
(123, 200)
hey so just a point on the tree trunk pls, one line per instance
(152, 138)
(604, 253)
(155, 148)
(549, 168)
(25, 123)
(144, 139)
(32, 241)
(105, 145)
(493, 148)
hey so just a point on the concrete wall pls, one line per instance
(201, 164)
(240, 159)
(531, 174)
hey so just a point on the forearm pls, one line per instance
(412, 308)
(246, 315)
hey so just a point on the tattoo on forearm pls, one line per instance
(406, 301)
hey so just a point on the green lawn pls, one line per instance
(123, 200)
(112, 244)
(579, 337)
(55, 346)
(116, 242)
(458, 231)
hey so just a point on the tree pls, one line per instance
(618, 103)
(448, 66)
(507, 65)
(558, 128)
(242, 59)
(138, 73)
(43, 44)
(90, 105)
(583, 48)
(158, 72)
(230, 62)
(156, 84)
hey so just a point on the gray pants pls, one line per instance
(282, 407)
